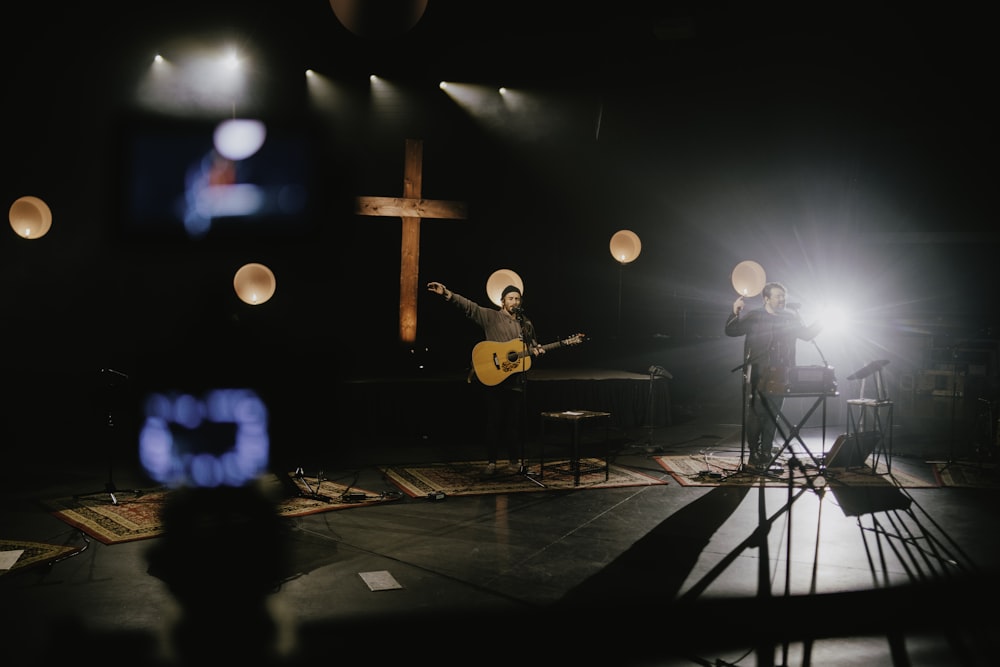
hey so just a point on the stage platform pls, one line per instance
(449, 406)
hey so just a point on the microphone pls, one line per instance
(517, 310)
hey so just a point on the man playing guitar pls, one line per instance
(503, 398)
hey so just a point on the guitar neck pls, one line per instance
(548, 346)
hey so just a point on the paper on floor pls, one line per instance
(8, 558)
(380, 581)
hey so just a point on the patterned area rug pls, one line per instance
(35, 553)
(136, 516)
(700, 470)
(465, 478)
(972, 475)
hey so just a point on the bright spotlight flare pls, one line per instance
(749, 278)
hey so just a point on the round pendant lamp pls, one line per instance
(498, 281)
(254, 283)
(625, 246)
(30, 217)
(379, 20)
(749, 278)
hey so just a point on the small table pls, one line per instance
(576, 418)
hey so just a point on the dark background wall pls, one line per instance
(849, 151)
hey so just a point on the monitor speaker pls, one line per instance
(851, 451)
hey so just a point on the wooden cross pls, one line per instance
(411, 208)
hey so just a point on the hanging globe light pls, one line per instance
(254, 283)
(749, 278)
(498, 281)
(625, 246)
(30, 217)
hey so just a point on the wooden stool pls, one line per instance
(576, 418)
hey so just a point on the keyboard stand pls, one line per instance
(794, 430)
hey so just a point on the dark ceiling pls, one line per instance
(848, 148)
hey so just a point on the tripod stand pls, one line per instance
(112, 380)
(310, 491)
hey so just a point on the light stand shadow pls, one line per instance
(897, 524)
(656, 566)
(925, 552)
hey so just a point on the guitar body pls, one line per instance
(494, 362)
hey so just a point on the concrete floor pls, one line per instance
(659, 575)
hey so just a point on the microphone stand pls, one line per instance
(826, 363)
(654, 372)
(795, 308)
(745, 376)
(113, 379)
(952, 455)
(525, 359)
(954, 402)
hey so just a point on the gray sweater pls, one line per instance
(496, 324)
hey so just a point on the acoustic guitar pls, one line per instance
(494, 362)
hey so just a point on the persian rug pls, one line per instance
(465, 478)
(710, 470)
(35, 553)
(136, 516)
(967, 474)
